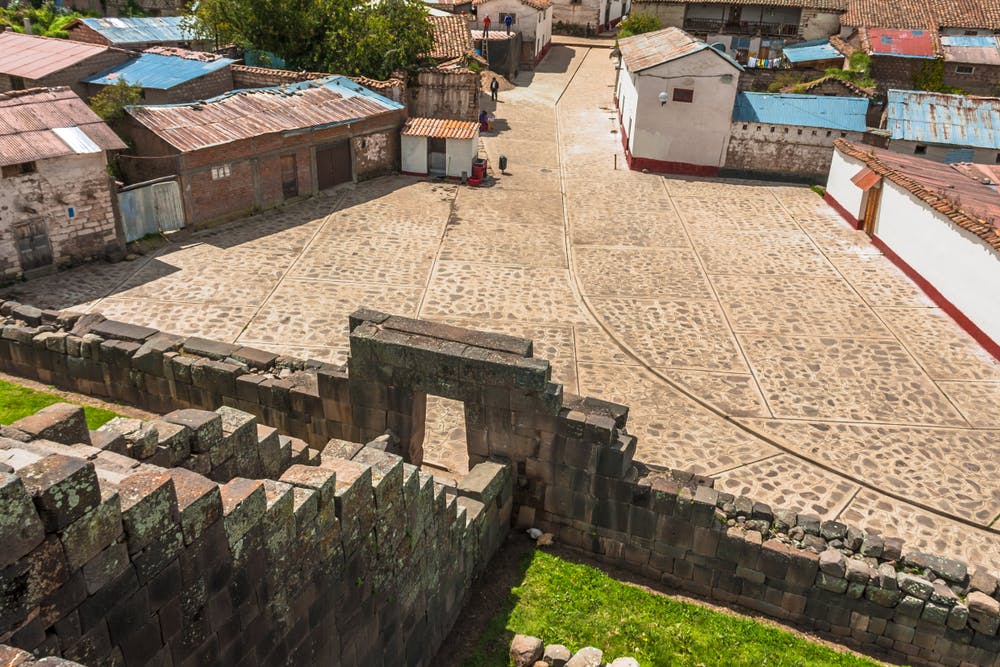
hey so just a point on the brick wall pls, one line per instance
(891, 72)
(73, 75)
(245, 76)
(572, 472)
(788, 152)
(984, 80)
(81, 32)
(345, 557)
(79, 182)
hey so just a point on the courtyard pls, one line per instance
(755, 336)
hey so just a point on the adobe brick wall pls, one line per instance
(890, 72)
(445, 94)
(79, 182)
(73, 76)
(245, 76)
(211, 85)
(984, 80)
(789, 152)
(346, 557)
(571, 463)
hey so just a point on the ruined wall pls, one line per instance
(44, 199)
(572, 468)
(376, 154)
(353, 558)
(817, 24)
(445, 94)
(789, 152)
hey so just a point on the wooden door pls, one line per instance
(33, 248)
(289, 177)
(871, 208)
(333, 165)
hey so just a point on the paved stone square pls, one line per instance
(756, 337)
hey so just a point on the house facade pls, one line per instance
(944, 128)
(28, 61)
(790, 137)
(439, 147)
(675, 98)
(757, 30)
(972, 63)
(938, 224)
(600, 14)
(254, 149)
(532, 19)
(56, 202)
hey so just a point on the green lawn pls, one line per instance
(17, 402)
(566, 603)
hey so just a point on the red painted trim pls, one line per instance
(545, 49)
(667, 167)
(413, 173)
(980, 336)
(844, 213)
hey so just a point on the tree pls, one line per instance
(354, 37)
(636, 24)
(46, 20)
(110, 103)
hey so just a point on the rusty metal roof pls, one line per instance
(936, 118)
(29, 120)
(441, 128)
(32, 57)
(244, 114)
(650, 49)
(900, 43)
(974, 50)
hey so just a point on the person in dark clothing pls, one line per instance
(494, 88)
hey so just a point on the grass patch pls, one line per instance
(17, 402)
(576, 605)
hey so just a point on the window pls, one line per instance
(800, 131)
(222, 171)
(683, 95)
(965, 69)
(744, 126)
(843, 135)
(12, 170)
(920, 149)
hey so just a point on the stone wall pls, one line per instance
(43, 199)
(984, 80)
(445, 94)
(345, 557)
(787, 152)
(572, 468)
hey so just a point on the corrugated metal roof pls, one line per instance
(32, 57)
(831, 113)
(440, 128)
(805, 52)
(936, 118)
(243, 114)
(902, 43)
(158, 72)
(971, 49)
(650, 49)
(121, 31)
(32, 121)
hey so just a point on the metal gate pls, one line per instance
(151, 208)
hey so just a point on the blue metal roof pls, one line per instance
(135, 30)
(973, 41)
(832, 113)
(818, 49)
(936, 118)
(158, 72)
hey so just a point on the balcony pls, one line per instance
(718, 26)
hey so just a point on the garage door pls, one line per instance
(333, 165)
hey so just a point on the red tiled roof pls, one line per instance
(540, 5)
(440, 128)
(965, 201)
(32, 57)
(452, 37)
(923, 14)
(28, 119)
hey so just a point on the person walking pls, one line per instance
(494, 88)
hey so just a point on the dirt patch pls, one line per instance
(488, 76)
(505, 571)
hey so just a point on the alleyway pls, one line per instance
(755, 336)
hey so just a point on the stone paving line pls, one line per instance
(755, 336)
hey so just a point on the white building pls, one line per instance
(531, 18)
(675, 99)
(600, 14)
(439, 147)
(939, 223)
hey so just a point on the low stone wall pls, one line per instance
(571, 463)
(349, 557)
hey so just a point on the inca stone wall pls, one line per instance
(571, 467)
(345, 557)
